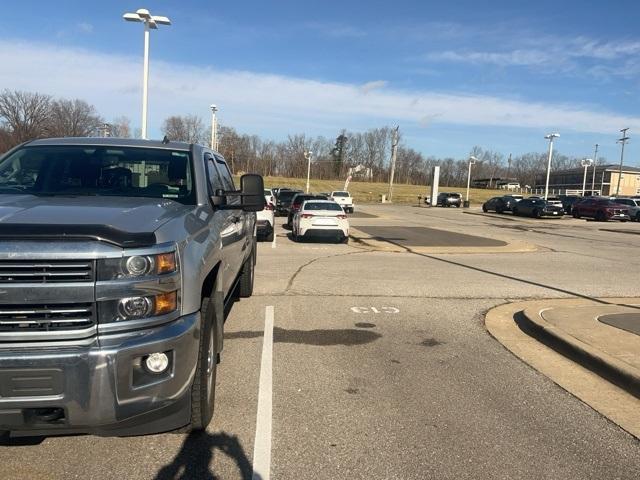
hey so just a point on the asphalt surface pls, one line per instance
(382, 366)
(625, 321)
(428, 237)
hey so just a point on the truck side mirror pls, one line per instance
(252, 192)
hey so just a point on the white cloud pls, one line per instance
(272, 105)
(371, 86)
(513, 58)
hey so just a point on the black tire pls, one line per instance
(500, 210)
(575, 213)
(345, 240)
(485, 209)
(515, 212)
(203, 389)
(638, 217)
(269, 238)
(537, 213)
(600, 216)
(245, 285)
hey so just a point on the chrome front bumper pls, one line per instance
(101, 388)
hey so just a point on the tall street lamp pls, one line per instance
(151, 22)
(549, 137)
(623, 141)
(595, 163)
(308, 154)
(586, 163)
(472, 161)
(214, 128)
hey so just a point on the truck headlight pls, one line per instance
(134, 308)
(137, 266)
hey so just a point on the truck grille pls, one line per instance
(47, 271)
(43, 318)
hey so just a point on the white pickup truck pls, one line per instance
(343, 199)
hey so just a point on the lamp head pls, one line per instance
(551, 136)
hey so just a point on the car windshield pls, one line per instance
(340, 194)
(322, 206)
(98, 170)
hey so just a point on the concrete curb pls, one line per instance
(510, 327)
(599, 362)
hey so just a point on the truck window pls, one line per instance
(215, 182)
(227, 179)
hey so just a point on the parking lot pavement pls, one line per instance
(381, 367)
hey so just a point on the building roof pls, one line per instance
(609, 167)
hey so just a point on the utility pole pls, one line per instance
(623, 141)
(394, 150)
(509, 167)
(308, 154)
(549, 137)
(595, 164)
(214, 128)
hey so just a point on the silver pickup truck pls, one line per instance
(117, 260)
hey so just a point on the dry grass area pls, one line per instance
(369, 192)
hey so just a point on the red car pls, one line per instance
(600, 209)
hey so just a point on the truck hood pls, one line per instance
(124, 214)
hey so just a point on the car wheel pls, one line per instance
(638, 217)
(537, 213)
(600, 216)
(485, 209)
(515, 212)
(245, 284)
(499, 210)
(203, 389)
(575, 213)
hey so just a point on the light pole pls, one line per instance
(150, 22)
(623, 141)
(308, 154)
(472, 161)
(214, 128)
(549, 137)
(586, 163)
(394, 152)
(595, 164)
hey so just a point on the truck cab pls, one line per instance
(117, 258)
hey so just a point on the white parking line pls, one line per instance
(262, 442)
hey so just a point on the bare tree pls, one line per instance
(73, 118)
(25, 115)
(121, 127)
(188, 128)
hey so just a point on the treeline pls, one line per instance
(25, 116)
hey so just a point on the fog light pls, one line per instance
(157, 362)
(135, 307)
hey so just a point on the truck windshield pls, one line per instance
(98, 170)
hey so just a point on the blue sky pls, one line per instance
(451, 74)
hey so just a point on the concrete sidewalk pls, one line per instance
(603, 337)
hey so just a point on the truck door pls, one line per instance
(229, 222)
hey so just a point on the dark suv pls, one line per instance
(449, 199)
(283, 201)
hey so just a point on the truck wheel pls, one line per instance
(203, 390)
(269, 238)
(245, 287)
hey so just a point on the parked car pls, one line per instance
(297, 201)
(117, 263)
(283, 201)
(557, 201)
(269, 197)
(343, 199)
(496, 204)
(600, 209)
(568, 201)
(633, 205)
(511, 201)
(537, 208)
(449, 199)
(265, 222)
(321, 218)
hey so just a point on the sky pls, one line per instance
(452, 75)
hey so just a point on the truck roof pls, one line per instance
(110, 142)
